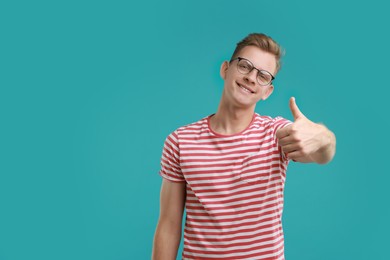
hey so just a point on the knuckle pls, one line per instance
(305, 152)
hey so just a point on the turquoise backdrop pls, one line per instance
(90, 89)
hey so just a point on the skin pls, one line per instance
(236, 108)
(305, 141)
(302, 141)
(168, 231)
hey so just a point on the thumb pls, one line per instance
(295, 110)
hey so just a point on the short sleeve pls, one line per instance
(170, 159)
(279, 123)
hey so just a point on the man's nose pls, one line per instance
(251, 77)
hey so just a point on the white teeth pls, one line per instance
(244, 88)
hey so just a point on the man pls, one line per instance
(228, 169)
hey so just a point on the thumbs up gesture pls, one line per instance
(305, 141)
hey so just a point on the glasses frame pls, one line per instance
(253, 67)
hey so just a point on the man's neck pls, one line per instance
(231, 120)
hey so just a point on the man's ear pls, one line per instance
(268, 92)
(223, 69)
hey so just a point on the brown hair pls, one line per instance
(265, 43)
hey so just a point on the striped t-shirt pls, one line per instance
(234, 185)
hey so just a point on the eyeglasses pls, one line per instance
(245, 67)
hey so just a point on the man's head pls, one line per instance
(263, 42)
(248, 75)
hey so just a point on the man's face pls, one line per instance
(244, 90)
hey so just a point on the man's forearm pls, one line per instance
(326, 153)
(166, 242)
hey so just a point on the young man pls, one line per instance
(228, 169)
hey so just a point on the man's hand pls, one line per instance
(304, 140)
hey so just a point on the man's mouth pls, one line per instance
(246, 89)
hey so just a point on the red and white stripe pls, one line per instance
(235, 188)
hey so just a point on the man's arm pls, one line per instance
(305, 141)
(168, 231)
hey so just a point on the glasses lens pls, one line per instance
(244, 66)
(264, 78)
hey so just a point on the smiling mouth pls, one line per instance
(245, 89)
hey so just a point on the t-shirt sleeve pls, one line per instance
(279, 123)
(170, 159)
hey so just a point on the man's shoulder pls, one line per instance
(268, 120)
(196, 127)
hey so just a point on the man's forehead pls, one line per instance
(260, 58)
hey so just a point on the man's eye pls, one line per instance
(264, 77)
(245, 66)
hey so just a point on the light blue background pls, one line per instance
(90, 89)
